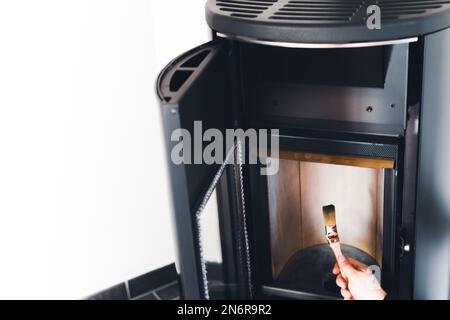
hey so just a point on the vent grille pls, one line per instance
(326, 21)
(401, 9)
(326, 11)
(352, 11)
(322, 11)
(245, 8)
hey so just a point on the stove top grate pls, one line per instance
(305, 20)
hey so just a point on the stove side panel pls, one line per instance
(432, 272)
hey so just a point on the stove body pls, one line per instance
(363, 123)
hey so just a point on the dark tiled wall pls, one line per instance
(161, 284)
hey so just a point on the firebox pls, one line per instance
(361, 115)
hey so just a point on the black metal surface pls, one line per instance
(432, 261)
(309, 270)
(185, 100)
(389, 280)
(276, 293)
(331, 21)
(319, 88)
(202, 95)
(339, 147)
(258, 211)
(408, 174)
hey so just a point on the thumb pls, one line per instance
(346, 267)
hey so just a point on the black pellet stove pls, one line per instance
(364, 123)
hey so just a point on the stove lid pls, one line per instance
(325, 21)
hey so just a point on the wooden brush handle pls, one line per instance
(336, 247)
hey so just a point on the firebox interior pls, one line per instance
(305, 183)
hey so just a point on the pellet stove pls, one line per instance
(363, 118)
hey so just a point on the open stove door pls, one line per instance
(197, 94)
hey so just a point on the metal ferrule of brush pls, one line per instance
(332, 234)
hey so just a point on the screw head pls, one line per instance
(369, 109)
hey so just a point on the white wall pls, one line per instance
(83, 187)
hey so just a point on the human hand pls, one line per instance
(358, 282)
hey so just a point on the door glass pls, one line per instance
(221, 228)
(211, 249)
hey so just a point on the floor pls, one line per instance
(169, 291)
(161, 284)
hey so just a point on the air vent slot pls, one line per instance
(178, 79)
(324, 11)
(196, 60)
(249, 9)
(241, 15)
(395, 10)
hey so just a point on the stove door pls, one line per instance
(197, 97)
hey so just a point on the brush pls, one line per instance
(331, 233)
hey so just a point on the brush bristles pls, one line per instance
(329, 215)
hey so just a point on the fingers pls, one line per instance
(346, 294)
(340, 282)
(346, 266)
(336, 269)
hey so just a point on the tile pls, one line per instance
(169, 293)
(152, 280)
(149, 296)
(118, 292)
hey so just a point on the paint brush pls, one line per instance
(331, 233)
